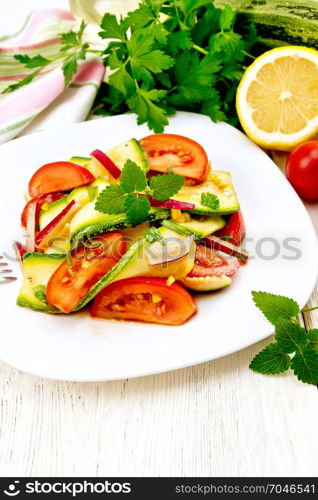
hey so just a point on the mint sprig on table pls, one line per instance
(130, 196)
(294, 348)
(166, 55)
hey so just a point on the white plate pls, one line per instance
(79, 348)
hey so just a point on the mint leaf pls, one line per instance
(133, 178)
(275, 307)
(112, 28)
(111, 200)
(290, 336)
(313, 338)
(305, 366)
(137, 208)
(166, 185)
(210, 200)
(32, 62)
(270, 361)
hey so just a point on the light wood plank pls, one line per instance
(217, 418)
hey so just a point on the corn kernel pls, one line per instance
(45, 206)
(85, 264)
(175, 214)
(156, 298)
(170, 280)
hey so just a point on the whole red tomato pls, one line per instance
(302, 170)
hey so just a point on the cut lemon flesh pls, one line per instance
(277, 99)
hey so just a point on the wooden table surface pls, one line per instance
(214, 419)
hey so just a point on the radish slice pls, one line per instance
(55, 226)
(168, 250)
(19, 248)
(30, 227)
(172, 204)
(226, 247)
(106, 162)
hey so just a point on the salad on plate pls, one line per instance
(131, 231)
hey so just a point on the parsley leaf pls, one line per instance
(275, 307)
(270, 361)
(290, 336)
(112, 28)
(111, 200)
(69, 67)
(305, 366)
(133, 178)
(137, 208)
(166, 185)
(32, 62)
(210, 200)
(143, 103)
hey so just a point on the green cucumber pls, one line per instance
(279, 22)
(37, 270)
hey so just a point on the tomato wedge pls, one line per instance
(89, 263)
(181, 154)
(144, 299)
(59, 176)
(234, 231)
(209, 263)
(41, 200)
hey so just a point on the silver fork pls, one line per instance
(4, 272)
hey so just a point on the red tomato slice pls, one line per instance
(90, 263)
(58, 176)
(209, 263)
(185, 156)
(41, 199)
(144, 299)
(234, 231)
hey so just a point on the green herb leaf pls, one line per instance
(275, 307)
(32, 62)
(270, 361)
(112, 28)
(305, 366)
(69, 68)
(111, 200)
(290, 336)
(153, 234)
(21, 83)
(210, 200)
(313, 338)
(133, 179)
(137, 208)
(143, 103)
(166, 185)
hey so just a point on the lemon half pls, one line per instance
(277, 99)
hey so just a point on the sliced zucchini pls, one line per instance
(199, 225)
(80, 160)
(218, 183)
(135, 263)
(82, 195)
(130, 150)
(37, 270)
(89, 222)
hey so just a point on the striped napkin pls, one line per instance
(44, 102)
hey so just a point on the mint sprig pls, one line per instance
(294, 347)
(130, 196)
(210, 200)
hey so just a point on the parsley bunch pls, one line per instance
(167, 55)
(174, 55)
(131, 194)
(291, 339)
